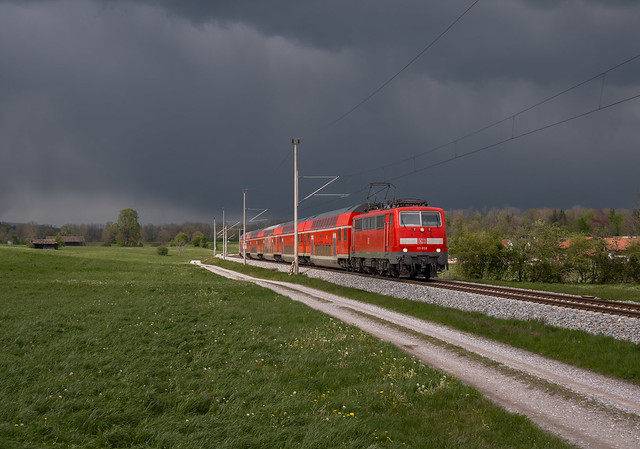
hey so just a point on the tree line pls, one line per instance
(545, 245)
(125, 231)
(511, 221)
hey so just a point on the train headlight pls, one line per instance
(438, 250)
(421, 229)
(404, 250)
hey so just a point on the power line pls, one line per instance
(415, 58)
(495, 144)
(513, 117)
(513, 136)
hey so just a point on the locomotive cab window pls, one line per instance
(431, 219)
(420, 218)
(410, 219)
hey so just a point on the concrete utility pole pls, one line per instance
(224, 237)
(243, 248)
(295, 204)
(215, 236)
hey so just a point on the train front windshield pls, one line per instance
(420, 218)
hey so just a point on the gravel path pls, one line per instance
(623, 328)
(584, 408)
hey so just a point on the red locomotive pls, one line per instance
(396, 238)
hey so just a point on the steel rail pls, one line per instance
(622, 308)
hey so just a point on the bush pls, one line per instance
(480, 255)
(163, 250)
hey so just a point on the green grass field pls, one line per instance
(606, 355)
(118, 347)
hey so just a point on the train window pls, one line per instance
(410, 219)
(420, 218)
(344, 234)
(357, 225)
(380, 222)
(431, 219)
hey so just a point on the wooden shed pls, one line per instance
(48, 243)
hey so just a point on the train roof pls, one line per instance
(363, 207)
(357, 208)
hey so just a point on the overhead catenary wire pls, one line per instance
(392, 78)
(524, 134)
(456, 156)
(513, 117)
(406, 66)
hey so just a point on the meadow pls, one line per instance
(121, 347)
(602, 354)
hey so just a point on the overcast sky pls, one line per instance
(174, 107)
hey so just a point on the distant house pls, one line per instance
(74, 240)
(71, 240)
(620, 245)
(48, 243)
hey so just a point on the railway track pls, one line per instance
(588, 303)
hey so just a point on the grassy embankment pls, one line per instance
(115, 347)
(605, 355)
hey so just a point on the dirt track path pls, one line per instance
(584, 408)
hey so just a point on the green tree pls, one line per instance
(546, 254)
(128, 228)
(615, 222)
(181, 241)
(69, 229)
(59, 240)
(632, 267)
(199, 239)
(584, 223)
(580, 257)
(516, 257)
(480, 254)
(109, 233)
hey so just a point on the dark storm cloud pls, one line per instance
(174, 108)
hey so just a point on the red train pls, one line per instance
(396, 238)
